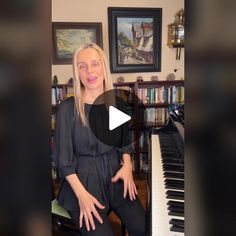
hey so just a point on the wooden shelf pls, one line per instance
(62, 85)
(147, 105)
(123, 84)
(155, 84)
(146, 126)
(150, 105)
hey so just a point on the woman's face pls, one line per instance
(90, 69)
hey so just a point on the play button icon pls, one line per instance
(117, 118)
(113, 118)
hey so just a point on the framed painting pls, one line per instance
(135, 39)
(69, 36)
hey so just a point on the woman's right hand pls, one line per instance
(87, 203)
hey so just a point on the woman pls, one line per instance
(95, 182)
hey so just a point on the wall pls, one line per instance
(96, 11)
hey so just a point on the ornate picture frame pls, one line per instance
(135, 36)
(68, 36)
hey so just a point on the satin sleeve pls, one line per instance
(63, 154)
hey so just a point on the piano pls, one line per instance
(165, 205)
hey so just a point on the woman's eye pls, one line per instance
(96, 64)
(82, 66)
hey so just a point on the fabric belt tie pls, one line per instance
(106, 170)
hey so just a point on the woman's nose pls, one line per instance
(90, 69)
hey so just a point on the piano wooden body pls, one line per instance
(165, 209)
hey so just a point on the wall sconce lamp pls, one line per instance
(176, 33)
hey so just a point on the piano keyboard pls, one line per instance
(167, 191)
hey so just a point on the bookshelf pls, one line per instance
(59, 93)
(156, 97)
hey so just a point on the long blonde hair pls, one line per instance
(79, 87)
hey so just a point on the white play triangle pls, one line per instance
(117, 118)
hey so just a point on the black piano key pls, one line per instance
(175, 184)
(172, 186)
(177, 222)
(168, 160)
(176, 228)
(177, 168)
(168, 147)
(167, 142)
(169, 150)
(176, 208)
(173, 175)
(175, 213)
(173, 167)
(174, 163)
(170, 154)
(170, 194)
(175, 156)
(175, 203)
(174, 181)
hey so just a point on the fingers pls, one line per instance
(95, 213)
(132, 190)
(115, 178)
(135, 189)
(81, 219)
(133, 194)
(86, 221)
(125, 188)
(90, 217)
(98, 204)
(87, 215)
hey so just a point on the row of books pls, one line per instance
(53, 121)
(154, 116)
(61, 93)
(144, 139)
(132, 138)
(171, 94)
(143, 160)
(124, 92)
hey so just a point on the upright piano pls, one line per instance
(165, 209)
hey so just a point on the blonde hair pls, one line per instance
(79, 87)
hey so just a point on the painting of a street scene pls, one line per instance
(68, 40)
(135, 40)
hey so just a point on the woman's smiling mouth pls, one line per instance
(92, 79)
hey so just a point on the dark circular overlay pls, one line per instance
(125, 101)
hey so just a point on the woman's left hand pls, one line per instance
(125, 173)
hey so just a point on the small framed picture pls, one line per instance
(69, 36)
(135, 39)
